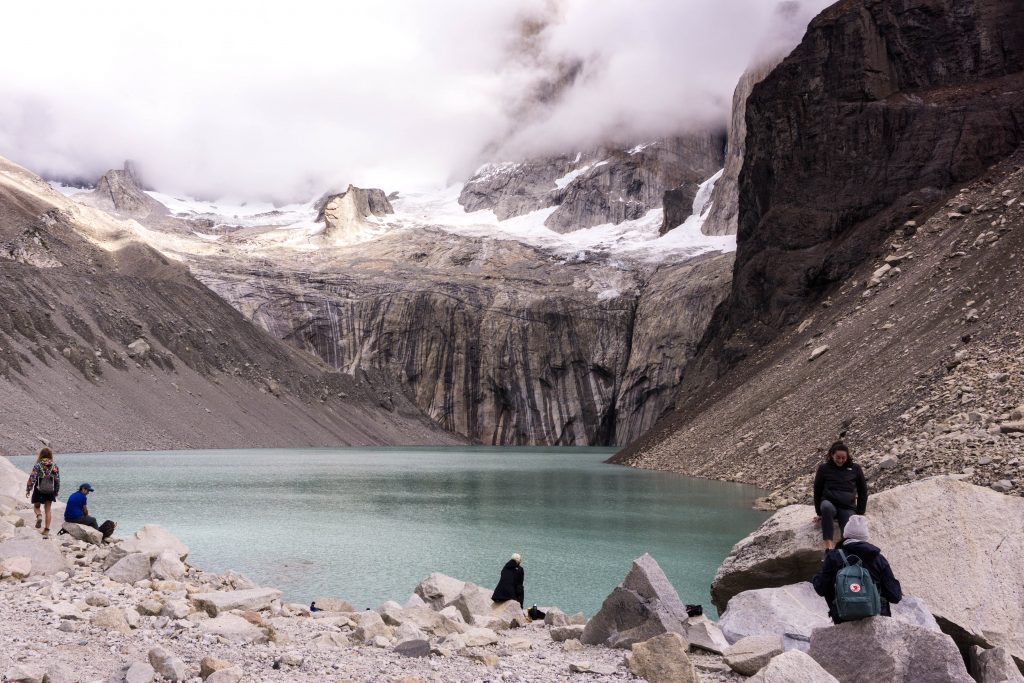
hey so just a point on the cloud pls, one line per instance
(261, 99)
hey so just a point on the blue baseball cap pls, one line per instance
(87, 487)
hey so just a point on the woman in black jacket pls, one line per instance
(856, 543)
(840, 491)
(510, 585)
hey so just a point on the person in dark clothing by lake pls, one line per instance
(510, 585)
(840, 491)
(43, 486)
(855, 542)
(77, 510)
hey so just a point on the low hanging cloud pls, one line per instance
(267, 100)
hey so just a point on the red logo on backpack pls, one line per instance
(855, 588)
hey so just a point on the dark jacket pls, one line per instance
(844, 486)
(876, 564)
(510, 585)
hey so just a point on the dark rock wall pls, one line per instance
(881, 107)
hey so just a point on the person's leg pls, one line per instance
(85, 521)
(828, 529)
(843, 515)
(39, 516)
(49, 517)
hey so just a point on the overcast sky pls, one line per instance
(283, 100)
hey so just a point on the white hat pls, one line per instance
(856, 528)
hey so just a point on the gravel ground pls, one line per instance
(55, 622)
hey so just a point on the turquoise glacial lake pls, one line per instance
(367, 524)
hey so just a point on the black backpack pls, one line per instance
(46, 483)
(107, 528)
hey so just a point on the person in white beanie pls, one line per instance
(855, 543)
(510, 585)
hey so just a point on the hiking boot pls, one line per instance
(46, 533)
(39, 521)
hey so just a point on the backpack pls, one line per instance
(107, 528)
(45, 483)
(856, 593)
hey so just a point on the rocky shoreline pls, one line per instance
(133, 610)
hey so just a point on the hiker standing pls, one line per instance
(855, 545)
(840, 491)
(43, 486)
(510, 585)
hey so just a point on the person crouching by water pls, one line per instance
(43, 486)
(840, 491)
(77, 511)
(510, 585)
(855, 543)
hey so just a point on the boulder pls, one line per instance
(750, 655)
(167, 567)
(793, 666)
(413, 648)
(503, 615)
(329, 604)
(129, 569)
(255, 599)
(6, 530)
(171, 668)
(786, 549)
(472, 599)
(25, 673)
(369, 626)
(643, 606)
(706, 635)
(439, 590)
(479, 637)
(789, 612)
(409, 631)
(881, 649)
(561, 634)
(12, 480)
(209, 665)
(663, 659)
(153, 539)
(232, 674)
(430, 621)
(46, 557)
(111, 619)
(941, 527)
(913, 610)
(555, 617)
(233, 628)
(81, 532)
(995, 666)
(331, 641)
(15, 568)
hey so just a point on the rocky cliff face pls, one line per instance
(723, 218)
(493, 340)
(877, 225)
(120, 192)
(345, 215)
(602, 186)
(900, 102)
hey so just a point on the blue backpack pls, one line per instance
(856, 593)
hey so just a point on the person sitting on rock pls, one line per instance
(510, 585)
(855, 542)
(43, 485)
(77, 510)
(840, 491)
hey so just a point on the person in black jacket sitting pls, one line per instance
(840, 491)
(510, 585)
(855, 542)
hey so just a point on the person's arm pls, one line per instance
(889, 586)
(819, 488)
(31, 481)
(862, 492)
(824, 581)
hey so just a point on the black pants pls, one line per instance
(829, 514)
(85, 521)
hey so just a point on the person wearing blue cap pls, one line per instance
(77, 510)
